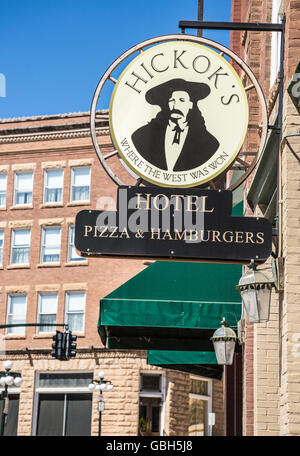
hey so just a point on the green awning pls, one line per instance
(171, 306)
(198, 363)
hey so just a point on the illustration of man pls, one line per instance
(176, 139)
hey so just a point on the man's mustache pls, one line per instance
(176, 111)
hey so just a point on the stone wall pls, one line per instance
(123, 369)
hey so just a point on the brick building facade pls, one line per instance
(49, 171)
(271, 350)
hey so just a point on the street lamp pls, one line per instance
(255, 289)
(7, 379)
(100, 385)
(224, 339)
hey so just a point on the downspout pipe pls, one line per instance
(279, 132)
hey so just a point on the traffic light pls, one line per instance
(57, 346)
(64, 346)
(70, 346)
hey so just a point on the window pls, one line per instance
(3, 182)
(16, 313)
(151, 405)
(1, 246)
(11, 422)
(200, 405)
(72, 254)
(80, 184)
(151, 382)
(67, 412)
(47, 311)
(50, 251)
(75, 308)
(53, 185)
(23, 188)
(277, 11)
(20, 246)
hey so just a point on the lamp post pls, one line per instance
(7, 379)
(100, 385)
(255, 289)
(224, 339)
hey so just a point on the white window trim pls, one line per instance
(2, 248)
(71, 184)
(15, 181)
(158, 395)
(40, 293)
(68, 292)
(4, 205)
(208, 398)
(275, 40)
(44, 228)
(7, 314)
(13, 230)
(69, 249)
(46, 170)
(48, 390)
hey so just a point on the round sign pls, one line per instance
(178, 114)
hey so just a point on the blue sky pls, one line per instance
(53, 53)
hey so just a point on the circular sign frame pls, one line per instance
(246, 166)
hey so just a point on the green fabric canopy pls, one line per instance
(171, 306)
(199, 363)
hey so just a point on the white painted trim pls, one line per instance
(38, 389)
(156, 394)
(208, 398)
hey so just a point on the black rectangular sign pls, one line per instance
(189, 224)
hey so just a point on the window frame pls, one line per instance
(8, 314)
(17, 173)
(46, 171)
(277, 12)
(72, 245)
(43, 231)
(2, 248)
(13, 231)
(66, 313)
(204, 397)
(57, 390)
(40, 294)
(3, 206)
(156, 395)
(74, 168)
(13, 391)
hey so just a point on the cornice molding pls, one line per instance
(102, 131)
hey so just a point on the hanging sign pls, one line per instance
(178, 114)
(169, 223)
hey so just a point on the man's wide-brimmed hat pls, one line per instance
(159, 95)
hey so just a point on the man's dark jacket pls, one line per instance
(198, 147)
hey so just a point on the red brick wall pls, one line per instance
(101, 276)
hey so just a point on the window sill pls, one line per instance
(18, 266)
(21, 206)
(78, 263)
(48, 335)
(79, 203)
(14, 336)
(45, 205)
(48, 265)
(3, 208)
